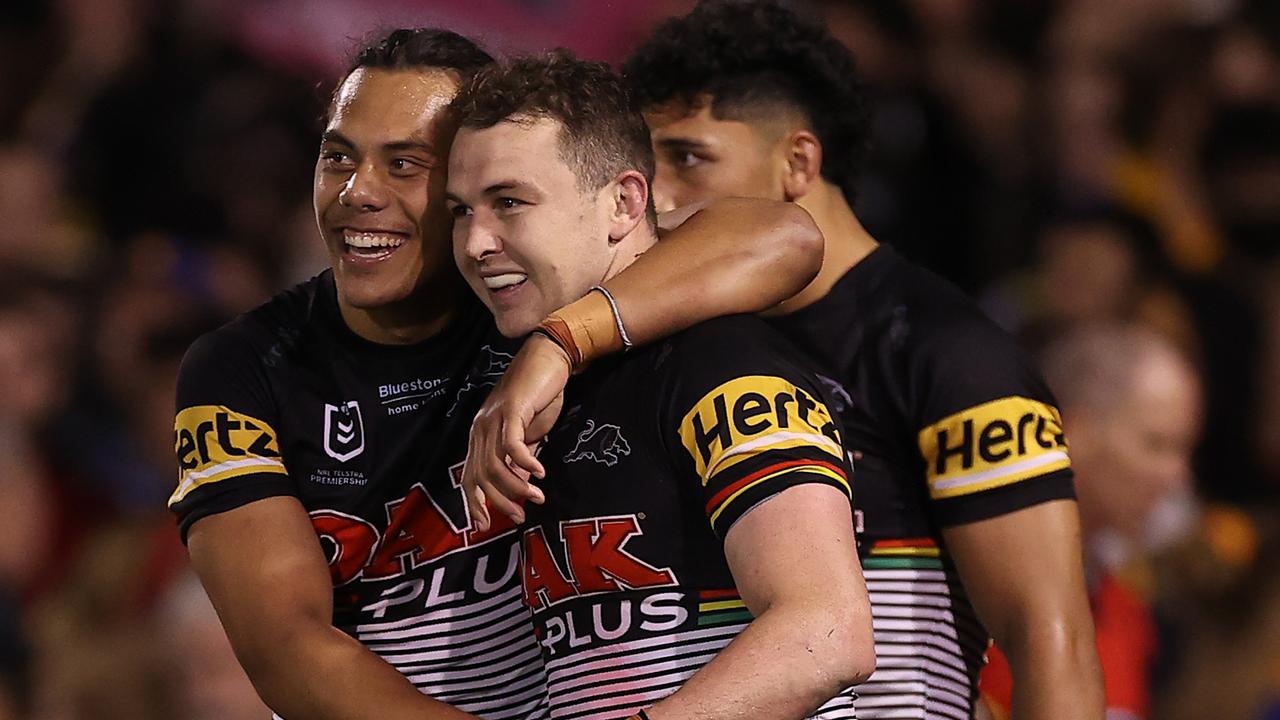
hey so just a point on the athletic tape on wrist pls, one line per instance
(586, 329)
(558, 331)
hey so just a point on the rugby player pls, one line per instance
(320, 437)
(965, 506)
(695, 555)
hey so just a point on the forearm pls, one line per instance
(734, 256)
(785, 664)
(1056, 675)
(316, 672)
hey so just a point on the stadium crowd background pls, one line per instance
(1071, 162)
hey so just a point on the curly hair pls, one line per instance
(602, 134)
(749, 55)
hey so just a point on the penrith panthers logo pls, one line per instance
(603, 444)
(343, 431)
(487, 372)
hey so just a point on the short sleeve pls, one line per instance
(225, 429)
(988, 428)
(747, 419)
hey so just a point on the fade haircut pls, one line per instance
(417, 49)
(421, 48)
(602, 132)
(759, 56)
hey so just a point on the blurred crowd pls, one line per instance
(1103, 174)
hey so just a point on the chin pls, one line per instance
(515, 326)
(370, 296)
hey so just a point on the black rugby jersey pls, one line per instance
(658, 453)
(948, 422)
(286, 400)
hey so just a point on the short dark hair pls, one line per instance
(421, 48)
(748, 54)
(603, 133)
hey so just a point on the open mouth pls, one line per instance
(370, 246)
(505, 283)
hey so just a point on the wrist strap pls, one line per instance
(586, 329)
(617, 319)
(558, 331)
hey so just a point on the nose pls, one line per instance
(364, 190)
(663, 197)
(478, 240)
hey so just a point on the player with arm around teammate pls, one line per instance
(965, 499)
(695, 553)
(320, 438)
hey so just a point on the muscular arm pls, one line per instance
(795, 564)
(1024, 575)
(263, 569)
(732, 256)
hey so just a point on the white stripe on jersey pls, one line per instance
(924, 652)
(478, 654)
(616, 680)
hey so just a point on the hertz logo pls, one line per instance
(750, 415)
(215, 443)
(997, 443)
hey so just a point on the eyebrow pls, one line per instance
(682, 143)
(502, 186)
(333, 136)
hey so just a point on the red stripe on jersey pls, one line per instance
(907, 542)
(725, 492)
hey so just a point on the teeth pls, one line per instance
(497, 282)
(371, 240)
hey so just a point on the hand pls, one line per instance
(514, 419)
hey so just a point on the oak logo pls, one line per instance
(421, 527)
(603, 444)
(343, 431)
(750, 415)
(214, 442)
(598, 561)
(993, 444)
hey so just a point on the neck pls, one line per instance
(847, 242)
(635, 244)
(416, 318)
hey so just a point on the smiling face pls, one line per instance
(526, 236)
(379, 186)
(700, 157)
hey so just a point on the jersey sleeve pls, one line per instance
(745, 421)
(988, 428)
(226, 430)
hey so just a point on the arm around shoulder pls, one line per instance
(733, 256)
(264, 571)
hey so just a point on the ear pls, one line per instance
(803, 156)
(630, 204)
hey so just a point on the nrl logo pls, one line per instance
(343, 431)
(602, 444)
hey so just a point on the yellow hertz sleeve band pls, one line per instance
(215, 443)
(991, 445)
(751, 415)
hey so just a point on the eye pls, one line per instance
(509, 203)
(402, 166)
(335, 158)
(689, 159)
(459, 210)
